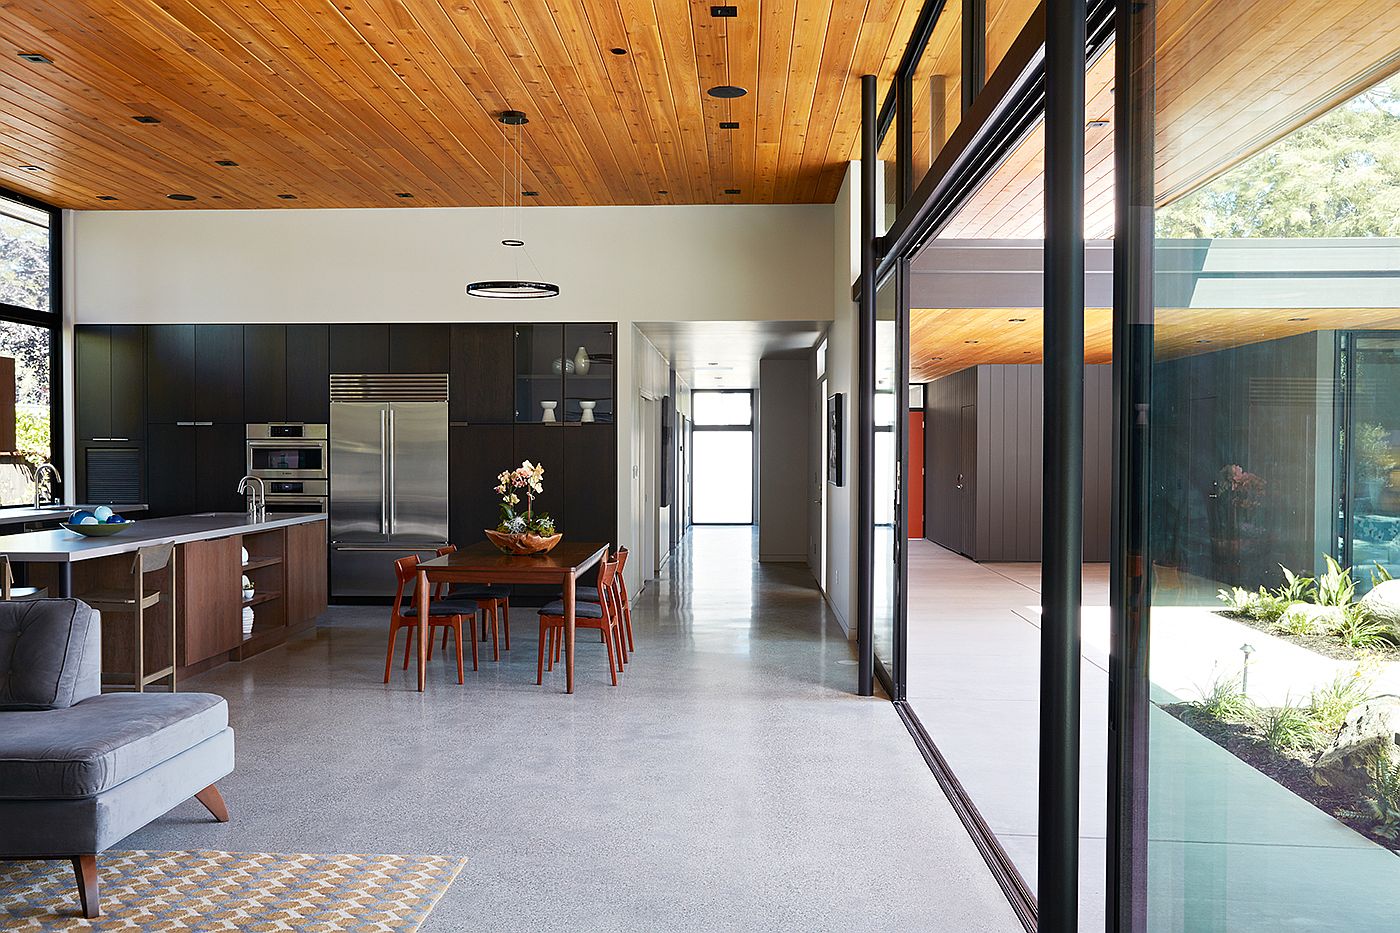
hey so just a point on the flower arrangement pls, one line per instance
(522, 532)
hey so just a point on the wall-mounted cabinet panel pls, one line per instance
(170, 373)
(590, 483)
(194, 468)
(222, 461)
(359, 348)
(128, 381)
(543, 443)
(482, 373)
(308, 373)
(218, 377)
(264, 373)
(476, 455)
(419, 348)
(92, 374)
(588, 373)
(539, 373)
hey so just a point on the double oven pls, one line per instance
(293, 461)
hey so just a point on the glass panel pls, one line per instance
(24, 256)
(539, 372)
(1274, 786)
(936, 90)
(24, 430)
(722, 407)
(588, 377)
(1005, 20)
(887, 185)
(886, 477)
(722, 476)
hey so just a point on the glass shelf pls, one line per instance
(565, 370)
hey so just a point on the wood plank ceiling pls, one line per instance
(357, 103)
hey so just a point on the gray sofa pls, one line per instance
(81, 770)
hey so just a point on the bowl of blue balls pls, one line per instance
(98, 523)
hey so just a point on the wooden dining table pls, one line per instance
(483, 563)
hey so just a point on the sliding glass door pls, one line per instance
(722, 457)
(887, 577)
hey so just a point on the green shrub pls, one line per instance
(1360, 628)
(1329, 705)
(1380, 808)
(1287, 728)
(1379, 575)
(1237, 599)
(1224, 701)
(1335, 587)
(1295, 589)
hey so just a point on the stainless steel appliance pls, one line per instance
(286, 496)
(287, 451)
(388, 452)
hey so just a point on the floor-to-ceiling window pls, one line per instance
(722, 457)
(889, 380)
(29, 341)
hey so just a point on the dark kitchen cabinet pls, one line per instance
(476, 454)
(542, 443)
(419, 348)
(110, 374)
(170, 372)
(589, 483)
(194, 468)
(359, 348)
(264, 373)
(222, 461)
(482, 373)
(218, 378)
(308, 373)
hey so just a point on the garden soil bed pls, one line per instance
(1325, 645)
(1292, 771)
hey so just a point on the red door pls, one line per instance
(916, 474)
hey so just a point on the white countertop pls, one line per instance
(19, 516)
(62, 546)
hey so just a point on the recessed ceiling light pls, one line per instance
(105, 197)
(1016, 320)
(1096, 124)
(662, 191)
(1203, 341)
(969, 341)
(618, 51)
(403, 194)
(530, 194)
(729, 124)
(731, 190)
(144, 118)
(287, 197)
(38, 58)
(1297, 319)
(724, 12)
(30, 168)
(226, 163)
(726, 91)
(180, 197)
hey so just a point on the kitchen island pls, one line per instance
(286, 563)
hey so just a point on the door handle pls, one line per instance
(393, 478)
(383, 472)
(960, 482)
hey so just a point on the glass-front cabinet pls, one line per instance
(564, 373)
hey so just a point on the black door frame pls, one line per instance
(752, 428)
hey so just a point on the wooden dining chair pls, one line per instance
(130, 600)
(493, 598)
(590, 594)
(440, 614)
(602, 615)
(9, 591)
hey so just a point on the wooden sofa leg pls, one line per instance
(85, 871)
(213, 802)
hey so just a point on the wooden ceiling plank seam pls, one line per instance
(646, 45)
(712, 65)
(675, 23)
(776, 35)
(810, 35)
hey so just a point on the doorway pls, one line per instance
(722, 457)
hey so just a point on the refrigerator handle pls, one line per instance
(383, 472)
(393, 478)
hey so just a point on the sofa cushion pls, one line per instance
(50, 653)
(99, 743)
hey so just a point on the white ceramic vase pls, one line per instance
(548, 416)
(582, 363)
(587, 407)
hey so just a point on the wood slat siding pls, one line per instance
(347, 104)
(1006, 485)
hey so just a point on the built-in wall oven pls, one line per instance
(288, 451)
(292, 496)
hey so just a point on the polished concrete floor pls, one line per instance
(733, 782)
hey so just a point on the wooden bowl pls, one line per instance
(523, 543)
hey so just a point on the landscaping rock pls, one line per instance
(1311, 619)
(1369, 727)
(1383, 602)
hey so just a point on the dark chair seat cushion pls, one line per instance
(478, 591)
(441, 607)
(92, 746)
(586, 593)
(582, 610)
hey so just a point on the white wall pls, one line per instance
(841, 362)
(622, 264)
(784, 448)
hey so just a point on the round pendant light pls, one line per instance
(518, 286)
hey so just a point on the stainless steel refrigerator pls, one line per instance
(388, 476)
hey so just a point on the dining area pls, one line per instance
(465, 593)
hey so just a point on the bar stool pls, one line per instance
(442, 614)
(134, 602)
(9, 591)
(493, 598)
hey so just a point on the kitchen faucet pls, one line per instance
(44, 468)
(257, 496)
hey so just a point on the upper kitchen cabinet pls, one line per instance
(264, 373)
(194, 372)
(539, 373)
(482, 374)
(588, 373)
(110, 374)
(419, 348)
(308, 373)
(359, 348)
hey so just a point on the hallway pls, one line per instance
(732, 782)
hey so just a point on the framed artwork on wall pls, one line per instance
(835, 439)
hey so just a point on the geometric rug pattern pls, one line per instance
(246, 892)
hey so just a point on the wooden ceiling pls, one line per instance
(349, 103)
(1233, 76)
(946, 340)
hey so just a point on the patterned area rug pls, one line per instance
(230, 891)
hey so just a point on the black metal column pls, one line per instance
(974, 50)
(1063, 544)
(865, 391)
(1130, 573)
